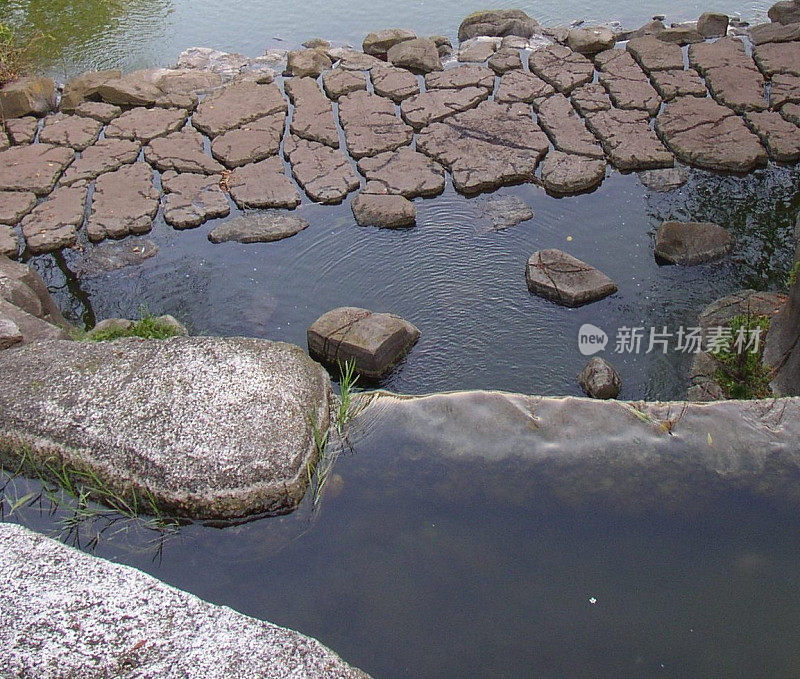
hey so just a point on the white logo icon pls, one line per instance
(591, 339)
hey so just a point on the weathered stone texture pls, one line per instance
(182, 152)
(73, 131)
(776, 57)
(781, 137)
(672, 84)
(235, 105)
(628, 140)
(263, 185)
(31, 95)
(312, 117)
(145, 124)
(395, 83)
(691, 243)
(561, 67)
(590, 98)
(419, 55)
(430, 107)
(404, 172)
(785, 90)
(521, 86)
(324, 173)
(14, 205)
(371, 126)
(653, 54)
(124, 202)
(731, 75)
(307, 63)
(627, 85)
(106, 155)
(22, 130)
(565, 129)
(251, 142)
(498, 23)
(504, 60)
(339, 81)
(566, 280)
(383, 210)
(98, 110)
(52, 225)
(378, 43)
(192, 199)
(566, 174)
(35, 168)
(259, 227)
(468, 75)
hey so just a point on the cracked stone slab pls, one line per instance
(706, 134)
(386, 211)
(785, 90)
(773, 58)
(653, 54)
(312, 117)
(53, 224)
(182, 152)
(505, 59)
(628, 141)
(468, 75)
(431, 107)
(565, 174)
(672, 84)
(781, 137)
(145, 124)
(5, 142)
(9, 247)
(22, 130)
(521, 86)
(394, 83)
(627, 85)
(353, 60)
(115, 255)
(250, 143)
(35, 167)
(73, 131)
(591, 98)
(98, 110)
(183, 419)
(192, 199)
(765, 33)
(106, 155)
(566, 280)
(691, 243)
(338, 82)
(371, 126)
(404, 172)
(236, 105)
(325, 174)
(14, 205)
(730, 73)
(263, 185)
(261, 227)
(566, 130)
(476, 50)
(791, 112)
(124, 203)
(486, 147)
(561, 67)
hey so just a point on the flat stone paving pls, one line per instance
(521, 115)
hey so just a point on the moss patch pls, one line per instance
(742, 373)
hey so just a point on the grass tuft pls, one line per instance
(742, 374)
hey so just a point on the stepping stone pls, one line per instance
(566, 130)
(98, 110)
(34, 168)
(307, 63)
(731, 75)
(14, 205)
(561, 67)
(22, 130)
(672, 84)
(591, 98)
(53, 224)
(566, 174)
(145, 124)
(192, 199)
(505, 211)
(325, 174)
(371, 126)
(378, 43)
(73, 131)
(106, 155)
(352, 60)
(791, 112)
(664, 180)
(312, 117)
(419, 55)
(785, 90)
(395, 83)
(781, 137)
(765, 33)
(9, 247)
(263, 185)
(124, 203)
(775, 58)
(477, 50)
(404, 172)
(599, 379)
(504, 60)
(628, 141)
(521, 86)
(250, 143)
(690, 243)
(705, 134)
(236, 105)
(383, 210)
(486, 147)
(376, 342)
(262, 227)
(626, 83)
(182, 152)
(653, 54)
(115, 255)
(565, 280)
(469, 75)
(431, 107)
(339, 81)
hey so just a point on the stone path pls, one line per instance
(184, 143)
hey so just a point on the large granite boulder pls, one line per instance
(207, 427)
(58, 602)
(691, 243)
(566, 280)
(497, 23)
(376, 342)
(27, 96)
(419, 55)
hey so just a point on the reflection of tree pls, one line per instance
(88, 33)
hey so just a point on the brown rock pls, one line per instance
(9, 246)
(628, 141)
(312, 117)
(561, 67)
(672, 84)
(384, 211)
(566, 174)
(778, 57)
(419, 55)
(565, 129)
(591, 98)
(140, 88)
(395, 83)
(691, 243)
(84, 88)
(681, 35)
(35, 168)
(730, 74)
(712, 24)
(591, 41)
(304, 63)
(599, 379)
(469, 75)
(785, 12)
(27, 96)
(106, 155)
(764, 33)
(504, 60)
(791, 112)
(497, 23)
(98, 110)
(263, 185)
(115, 255)
(124, 202)
(477, 49)
(53, 224)
(339, 81)
(781, 137)
(662, 181)
(565, 280)
(521, 86)
(378, 43)
(236, 105)
(785, 90)
(73, 131)
(653, 54)
(259, 227)
(14, 205)
(404, 172)
(145, 124)
(371, 126)
(250, 143)
(351, 60)
(430, 107)
(192, 199)
(627, 85)
(324, 173)
(22, 130)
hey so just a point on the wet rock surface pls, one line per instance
(404, 172)
(259, 227)
(627, 85)
(125, 202)
(263, 185)
(664, 180)
(503, 212)
(691, 243)
(566, 280)
(599, 379)
(628, 141)
(34, 168)
(521, 86)
(566, 173)
(192, 199)
(780, 136)
(324, 173)
(371, 126)
(14, 205)
(386, 211)
(312, 117)
(115, 255)
(53, 223)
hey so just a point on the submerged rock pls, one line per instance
(260, 227)
(383, 210)
(115, 255)
(664, 180)
(505, 211)
(566, 280)
(599, 379)
(690, 243)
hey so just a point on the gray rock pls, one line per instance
(713, 24)
(785, 12)
(145, 124)
(599, 379)
(383, 210)
(181, 152)
(681, 35)
(566, 130)
(185, 81)
(664, 180)
(371, 126)
(236, 105)
(690, 243)
(31, 328)
(568, 174)
(628, 141)
(395, 83)
(98, 110)
(565, 280)
(627, 85)
(653, 27)
(34, 168)
(9, 243)
(115, 255)
(486, 147)
(672, 84)
(504, 60)
(378, 43)
(430, 107)
(780, 136)
(14, 205)
(124, 203)
(53, 224)
(478, 49)
(312, 117)
(774, 32)
(469, 75)
(251, 142)
(325, 174)
(419, 55)
(591, 98)
(263, 185)
(83, 88)
(561, 67)
(60, 600)
(497, 22)
(22, 130)
(316, 43)
(376, 342)
(106, 155)
(260, 227)
(27, 96)
(505, 211)
(704, 134)
(338, 82)
(24, 289)
(653, 54)
(192, 199)
(778, 57)
(590, 41)
(303, 63)
(404, 172)
(515, 42)
(208, 427)
(73, 131)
